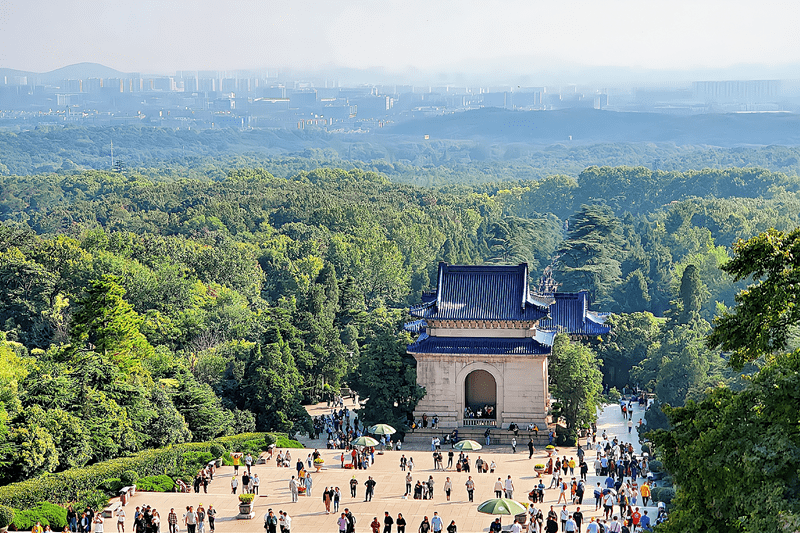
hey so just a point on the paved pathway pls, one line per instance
(309, 513)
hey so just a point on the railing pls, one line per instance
(479, 422)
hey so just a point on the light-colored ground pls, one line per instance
(309, 513)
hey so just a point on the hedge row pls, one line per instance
(64, 487)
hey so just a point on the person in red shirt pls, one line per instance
(635, 517)
(375, 525)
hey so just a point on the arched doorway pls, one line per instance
(480, 395)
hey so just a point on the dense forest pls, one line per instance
(403, 157)
(139, 312)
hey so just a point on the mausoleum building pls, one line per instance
(484, 341)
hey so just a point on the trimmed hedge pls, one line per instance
(155, 484)
(663, 494)
(47, 513)
(65, 486)
(285, 442)
(6, 515)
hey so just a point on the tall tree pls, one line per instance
(590, 257)
(765, 313)
(575, 382)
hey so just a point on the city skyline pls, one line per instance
(443, 42)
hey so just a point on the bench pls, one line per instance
(125, 493)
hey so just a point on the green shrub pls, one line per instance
(47, 513)
(6, 516)
(656, 466)
(217, 450)
(129, 477)
(246, 498)
(155, 484)
(65, 486)
(663, 494)
(613, 395)
(93, 498)
(111, 486)
(667, 481)
(566, 437)
(646, 448)
(283, 441)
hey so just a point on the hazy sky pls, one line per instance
(430, 36)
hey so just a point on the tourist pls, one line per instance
(516, 527)
(375, 525)
(342, 523)
(201, 519)
(294, 488)
(498, 488)
(353, 486)
(436, 523)
(254, 483)
(425, 526)
(287, 522)
(401, 523)
(387, 522)
(120, 518)
(271, 522)
(337, 496)
(97, 521)
(370, 484)
(452, 527)
(495, 526)
(190, 520)
(470, 488)
(448, 487)
(513, 445)
(234, 484)
(531, 448)
(351, 521)
(309, 484)
(172, 521)
(509, 488)
(211, 513)
(327, 496)
(409, 480)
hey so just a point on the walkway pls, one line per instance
(309, 513)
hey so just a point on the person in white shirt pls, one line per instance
(98, 523)
(120, 519)
(515, 527)
(591, 527)
(287, 523)
(571, 526)
(509, 488)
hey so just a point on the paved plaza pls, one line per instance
(308, 515)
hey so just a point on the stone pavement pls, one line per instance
(309, 513)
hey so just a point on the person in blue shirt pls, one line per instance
(610, 482)
(436, 523)
(644, 522)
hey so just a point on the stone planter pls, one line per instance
(539, 471)
(245, 511)
(318, 467)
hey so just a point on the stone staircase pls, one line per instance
(500, 437)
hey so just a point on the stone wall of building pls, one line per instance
(522, 391)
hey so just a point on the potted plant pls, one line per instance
(348, 466)
(550, 449)
(318, 462)
(246, 505)
(539, 469)
(301, 489)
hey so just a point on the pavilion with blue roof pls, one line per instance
(483, 343)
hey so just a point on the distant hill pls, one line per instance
(76, 71)
(591, 125)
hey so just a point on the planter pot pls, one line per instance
(245, 511)
(539, 471)
(318, 467)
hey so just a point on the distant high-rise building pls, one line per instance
(737, 91)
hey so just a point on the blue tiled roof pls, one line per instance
(478, 346)
(417, 326)
(487, 292)
(571, 313)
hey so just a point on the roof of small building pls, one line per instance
(570, 312)
(481, 292)
(478, 345)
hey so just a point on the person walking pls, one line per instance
(190, 520)
(370, 484)
(470, 488)
(488, 435)
(337, 496)
(212, 514)
(425, 526)
(448, 487)
(271, 522)
(342, 523)
(294, 489)
(513, 445)
(387, 522)
(309, 483)
(531, 448)
(353, 486)
(256, 483)
(436, 523)
(201, 519)
(409, 481)
(172, 521)
(498, 488)
(234, 484)
(509, 488)
(452, 527)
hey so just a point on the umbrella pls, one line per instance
(364, 441)
(467, 445)
(382, 429)
(612, 491)
(502, 506)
